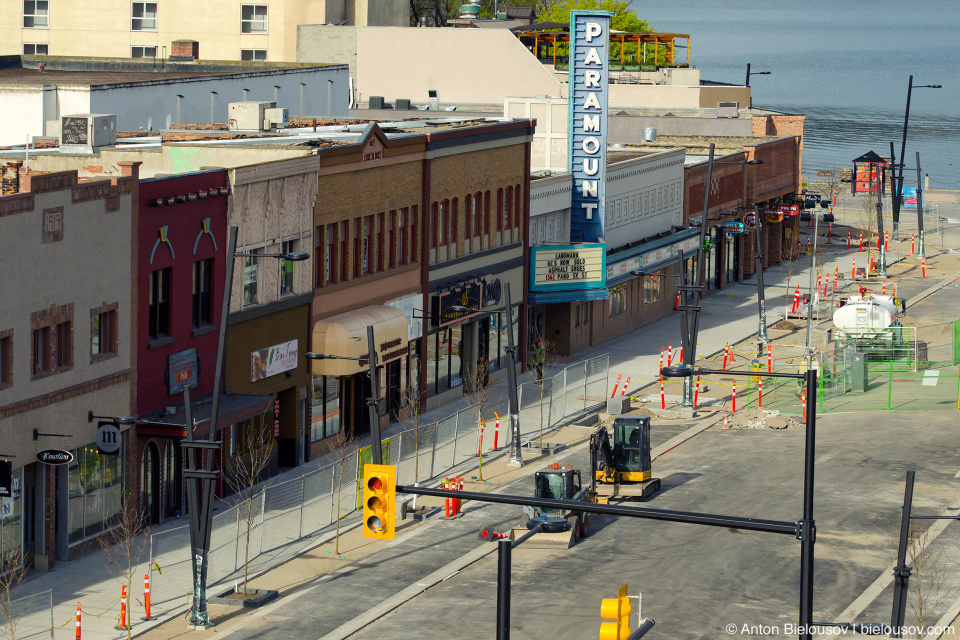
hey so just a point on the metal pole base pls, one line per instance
(515, 462)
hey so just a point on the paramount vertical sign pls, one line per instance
(588, 90)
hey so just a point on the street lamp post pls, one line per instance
(754, 73)
(903, 149)
(373, 402)
(762, 338)
(806, 526)
(813, 292)
(200, 502)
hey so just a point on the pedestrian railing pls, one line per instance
(261, 527)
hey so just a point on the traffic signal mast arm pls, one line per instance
(753, 524)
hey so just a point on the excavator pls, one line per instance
(622, 470)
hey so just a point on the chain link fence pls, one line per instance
(281, 514)
(33, 616)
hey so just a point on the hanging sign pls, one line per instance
(108, 438)
(774, 216)
(750, 220)
(273, 360)
(6, 479)
(732, 226)
(54, 456)
(587, 137)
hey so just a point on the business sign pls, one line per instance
(108, 438)
(457, 304)
(568, 267)
(732, 226)
(909, 197)
(774, 216)
(824, 174)
(787, 210)
(54, 456)
(587, 128)
(750, 220)
(183, 369)
(653, 258)
(6, 479)
(273, 360)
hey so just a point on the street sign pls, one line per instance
(108, 438)
(732, 226)
(54, 456)
(824, 174)
(750, 220)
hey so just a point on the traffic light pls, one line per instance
(379, 501)
(619, 610)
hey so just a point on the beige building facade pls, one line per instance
(225, 30)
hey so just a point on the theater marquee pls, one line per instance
(577, 266)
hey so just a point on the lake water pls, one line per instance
(844, 65)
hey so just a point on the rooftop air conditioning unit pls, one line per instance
(433, 98)
(248, 116)
(274, 118)
(728, 109)
(88, 131)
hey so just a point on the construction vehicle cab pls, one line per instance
(625, 465)
(559, 483)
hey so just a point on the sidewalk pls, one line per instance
(728, 315)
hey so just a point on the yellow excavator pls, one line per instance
(622, 470)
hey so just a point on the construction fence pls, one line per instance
(262, 525)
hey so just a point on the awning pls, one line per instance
(345, 335)
(234, 407)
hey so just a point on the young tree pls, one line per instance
(789, 254)
(12, 573)
(539, 358)
(411, 416)
(480, 396)
(342, 448)
(927, 582)
(124, 546)
(255, 449)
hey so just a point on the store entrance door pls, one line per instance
(392, 392)
(356, 414)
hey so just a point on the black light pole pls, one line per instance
(762, 338)
(516, 457)
(200, 502)
(922, 245)
(754, 73)
(903, 151)
(901, 573)
(806, 526)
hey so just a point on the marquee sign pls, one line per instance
(564, 268)
(654, 258)
(587, 137)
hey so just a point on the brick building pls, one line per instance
(66, 349)
(403, 225)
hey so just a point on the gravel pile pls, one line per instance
(762, 419)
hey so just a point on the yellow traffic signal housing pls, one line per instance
(619, 610)
(379, 501)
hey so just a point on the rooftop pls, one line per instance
(24, 71)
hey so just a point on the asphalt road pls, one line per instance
(695, 580)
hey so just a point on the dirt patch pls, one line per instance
(762, 419)
(784, 325)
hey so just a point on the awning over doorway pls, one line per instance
(345, 335)
(234, 407)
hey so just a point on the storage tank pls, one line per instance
(863, 315)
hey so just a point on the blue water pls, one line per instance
(843, 64)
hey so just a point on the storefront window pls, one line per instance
(516, 332)
(652, 287)
(456, 348)
(431, 363)
(326, 408)
(11, 523)
(495, 354)
(95, 498)
(443, 360)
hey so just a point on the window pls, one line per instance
(402, 241)
(367, 229)
(652, 286)
(64, 345)
(41, 350)
(202, 303)
(517, 215)
(95, 493)
(414, 238)
(507, 206)
(344, 239)
(36, 14)
(468, 217)
(392, 239)
(326, 408)
(159, 297)
(253, 18)
(286, 267)
(486, 212)
(380, 232)
(253, 54)
(6, 358)
(35, 49)
(454, 214)
(143, 52)
(103, 332)
(143, 16)
(250, 272)
(357, 252)
(477, 215)
(329, 253)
